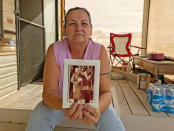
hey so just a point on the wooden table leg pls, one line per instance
(156, 74)
(133, 65)
(155, 79)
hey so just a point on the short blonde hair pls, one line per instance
(77, 8)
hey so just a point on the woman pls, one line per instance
(77, 80)
(76, 45)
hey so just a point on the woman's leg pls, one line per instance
(110, 121)
(44, 118)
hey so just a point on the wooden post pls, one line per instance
(62, 17)
(146, 12)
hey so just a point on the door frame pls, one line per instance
(18, 20)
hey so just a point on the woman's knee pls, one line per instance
(39, 114)
(110, 120)
(110, 112)
(42, 114)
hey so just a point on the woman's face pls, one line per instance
(78, 28)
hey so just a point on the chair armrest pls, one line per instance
(137, 47)
(109, 46)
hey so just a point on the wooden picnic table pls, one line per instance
(155, 67)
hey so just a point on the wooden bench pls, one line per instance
(15, 110)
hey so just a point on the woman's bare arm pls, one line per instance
(50, 91)
(105, 94)
(51, 80)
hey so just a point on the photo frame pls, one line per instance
(81, 82)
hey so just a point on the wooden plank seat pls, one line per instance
(16, 108)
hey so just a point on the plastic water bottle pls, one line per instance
(150, 93)
(158, 99)
(170, 99)
(161, 97)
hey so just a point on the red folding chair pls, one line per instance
(119, 50)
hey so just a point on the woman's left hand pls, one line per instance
(91, 115)
(75, 112)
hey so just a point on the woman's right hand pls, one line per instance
(75, 112)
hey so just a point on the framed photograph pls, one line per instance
(81, 82)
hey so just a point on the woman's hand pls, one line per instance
(91, 115)
(75, 112)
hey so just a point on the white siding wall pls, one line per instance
(8, 59)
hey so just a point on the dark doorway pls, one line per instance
(31, 40)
